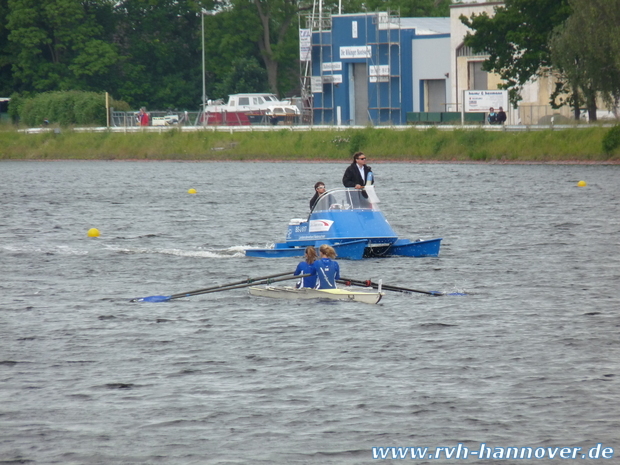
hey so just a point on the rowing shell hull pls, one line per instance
(292, 293)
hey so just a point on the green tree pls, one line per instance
(229, 35)
(58, 45)
(589, 67)
(517, 39)
(160, 42)
(264, 29)
(245, 75)
(6, 75)
(278, 36)
(406, 8)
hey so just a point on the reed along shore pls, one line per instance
(568, 145)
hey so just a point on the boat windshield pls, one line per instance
(344, 199)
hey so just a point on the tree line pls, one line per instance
(149, 52)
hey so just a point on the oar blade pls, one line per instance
(221, 287)
(153, 298)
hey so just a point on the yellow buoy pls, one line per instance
(93, 232)
(191, 191)
(582, 184)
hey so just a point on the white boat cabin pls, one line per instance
(259, 103)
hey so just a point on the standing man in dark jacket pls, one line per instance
(357, 173)
(501, 116)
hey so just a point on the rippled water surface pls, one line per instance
(530, 357)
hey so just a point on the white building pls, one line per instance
(466, 71)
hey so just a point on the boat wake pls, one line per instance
(231, 252)
(46, 249)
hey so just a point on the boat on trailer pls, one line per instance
(247, 109)
(351, 222)
(292, 293)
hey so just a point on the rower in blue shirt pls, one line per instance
(306, 267)
(326, 268)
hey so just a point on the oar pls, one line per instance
(244, 281)
(248, 281)
(406, 289)
(387, 287)
(256, 283)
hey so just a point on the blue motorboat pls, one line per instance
(351, 222)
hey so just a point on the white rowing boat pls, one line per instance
(288, 292)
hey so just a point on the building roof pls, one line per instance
(426, 26)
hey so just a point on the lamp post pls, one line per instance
(204, 83)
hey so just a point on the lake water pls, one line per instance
(529, 358)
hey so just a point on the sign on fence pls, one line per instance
(479, 101)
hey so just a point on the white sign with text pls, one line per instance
(362, 51)
(332, 66)
(305, 45)
(479, 101)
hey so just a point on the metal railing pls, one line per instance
(530, 115)
(129, 119)
(524, 116)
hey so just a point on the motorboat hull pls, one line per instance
(355, 249)
(353, 225)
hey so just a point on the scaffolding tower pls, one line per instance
(321, 107)
(384, 69)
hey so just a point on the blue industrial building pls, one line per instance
(374, 68)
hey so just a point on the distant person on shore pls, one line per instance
(501, 116)
(143, 117)
(319, 190)
(492, 118)
(357, 173)
(327, 268)
(306, 267)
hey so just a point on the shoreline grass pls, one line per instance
(579, 145)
